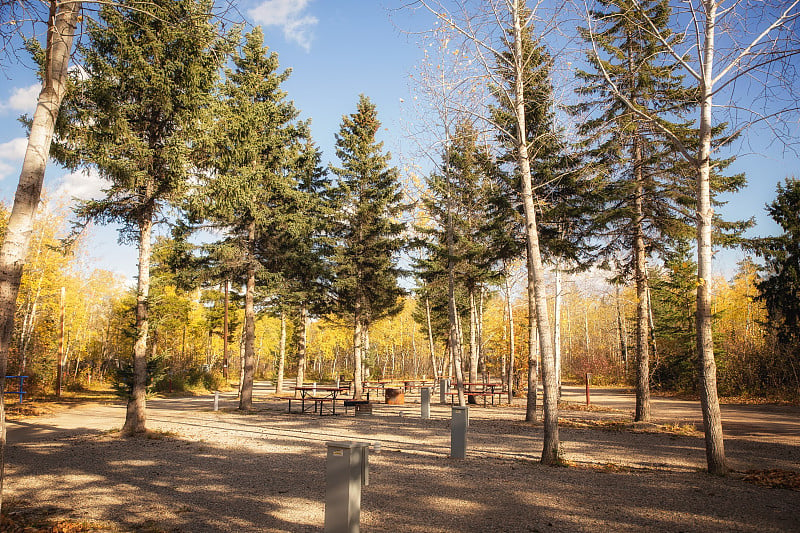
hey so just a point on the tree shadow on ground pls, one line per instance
(273, 479)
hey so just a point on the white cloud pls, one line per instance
(14, 149)
(11, 155)
(288, 14)
(6, 170)
(23, 99)
(84, 184)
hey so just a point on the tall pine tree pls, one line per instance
(366, 227)
(251, 196)
(647, 195)
(149, 81)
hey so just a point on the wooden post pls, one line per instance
(588, 379)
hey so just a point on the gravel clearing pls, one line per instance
(205, 471)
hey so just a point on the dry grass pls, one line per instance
(686, 430)
(775, 478)
(17, 517)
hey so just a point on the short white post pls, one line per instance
(444, 388)
(346, 472)
(425, 402)
(458, 432)
(216, 400)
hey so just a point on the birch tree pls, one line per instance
(62, 21)
(496, 30)
(739, 58)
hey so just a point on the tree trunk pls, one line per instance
(246, 399)
(479, 328)
(712, 418)
(430, 337)
(623, 334)
(358, 356)
(473, 342)
(301, 346)
(281, 356)
(642, 412)
(136, 411)
(557, 327)
(533, 372)
(61, 346)
(225, 373)
(511, 343)
(536, 292)
(62, 22)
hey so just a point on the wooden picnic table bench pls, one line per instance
(311, 393)
(482, 390)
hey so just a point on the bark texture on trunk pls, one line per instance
(225, 372)
(358, 355)
(512, 353)
(533, 370)
(642, 411)
(473, 342)
(281, 356)
(301, 346)
(62, 22)
(557, 327)
(709, 401)
(431, 345)
(246, 398)
(135, 416)
(550, 449)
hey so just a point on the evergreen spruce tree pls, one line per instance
(149, 80)
(459, 205)
(780, 288)
(296, 254)
(366, 200)
(648, 193)
(673, 307)
(250, 195)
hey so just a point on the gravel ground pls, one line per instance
(205, 471)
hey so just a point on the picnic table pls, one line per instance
(318, 396)
(480, 389)
(409, 384)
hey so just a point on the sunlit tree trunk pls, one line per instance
(511, 342)
(533, 371)
(281, 355)
(136, 412)
(473, 342)
(431, 345)
(536, 282)
(62, 22)
(709, 401)
(225, 361)
(358, 356)
(301, 332)
(642, 412)
(557, 326)
(246, 399)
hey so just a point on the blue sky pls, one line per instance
(338, 49)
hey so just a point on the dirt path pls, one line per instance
(265, 471)
(777, 421)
